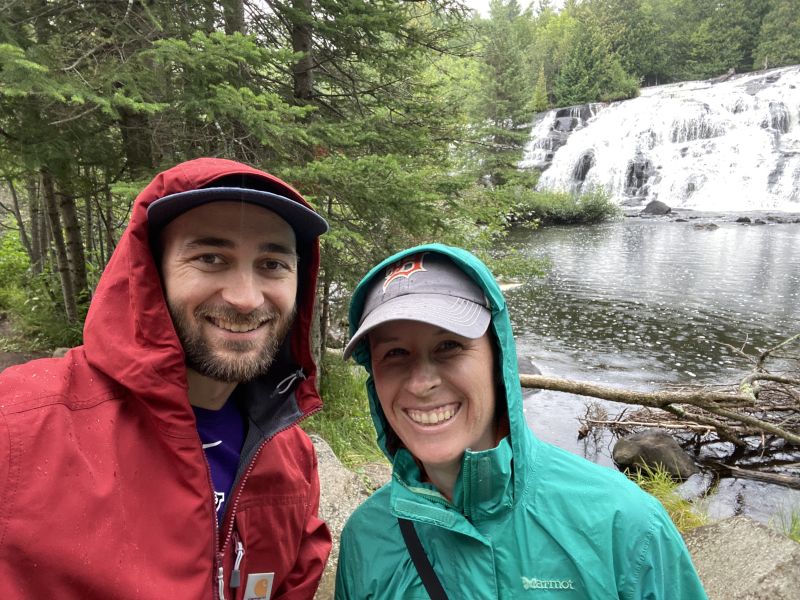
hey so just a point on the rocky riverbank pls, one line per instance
(737, 558)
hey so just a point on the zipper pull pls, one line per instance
(221, 583)
(286, 384)
(236, 577)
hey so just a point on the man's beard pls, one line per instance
(239, 363)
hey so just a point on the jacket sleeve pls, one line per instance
(664, 570)
(315, 546)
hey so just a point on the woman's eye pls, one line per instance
(394, 352)
(448, 345)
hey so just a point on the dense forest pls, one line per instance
(401, 120)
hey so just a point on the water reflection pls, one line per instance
(642, 304)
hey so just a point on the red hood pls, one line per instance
(128, 333)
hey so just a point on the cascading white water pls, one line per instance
(730, 145)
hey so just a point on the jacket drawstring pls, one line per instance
(285, 385)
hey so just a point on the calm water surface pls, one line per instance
(645, 303)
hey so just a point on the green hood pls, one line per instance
(500, 328)
(526, 518)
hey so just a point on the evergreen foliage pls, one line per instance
(779, 37)
(402, 121)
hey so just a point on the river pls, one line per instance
(644, 303)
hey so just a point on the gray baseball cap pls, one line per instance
(429, 288)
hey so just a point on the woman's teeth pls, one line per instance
(432, 417)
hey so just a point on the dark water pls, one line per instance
(643, 304)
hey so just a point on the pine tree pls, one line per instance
(778, 42)
(540, 100)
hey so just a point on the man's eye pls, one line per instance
(273, 265)
(209, 259)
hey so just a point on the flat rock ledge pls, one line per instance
(341, 491)
(741, 559)
(737, 558)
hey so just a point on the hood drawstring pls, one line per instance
(286, 384)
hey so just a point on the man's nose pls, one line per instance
(242, 291)
(423, 378)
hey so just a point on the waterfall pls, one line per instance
(729, 144)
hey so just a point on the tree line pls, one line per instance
(401, 121)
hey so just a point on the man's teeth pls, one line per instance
(236, 327)
(432, 417)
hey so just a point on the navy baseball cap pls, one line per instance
(306, 223)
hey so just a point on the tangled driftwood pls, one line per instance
(764, 404)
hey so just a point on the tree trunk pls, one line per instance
(302, 41)
(23, 234)
(74, 245)
(62, 261)
(88, 219)
(109, 225)
(233, 11)
(135, 130)
(38, 228)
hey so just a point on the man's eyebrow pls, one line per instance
(217, 242)
(214, 242)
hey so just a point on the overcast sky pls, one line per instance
(482, 6)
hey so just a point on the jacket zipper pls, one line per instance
(235, 506)
(236, 576)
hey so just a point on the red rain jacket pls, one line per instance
(104, 487)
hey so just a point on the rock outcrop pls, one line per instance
(741, 559)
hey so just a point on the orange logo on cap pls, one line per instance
(404, 268)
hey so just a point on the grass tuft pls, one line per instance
(788, 523)
(659, 483)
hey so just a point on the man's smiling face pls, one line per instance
(230, 279)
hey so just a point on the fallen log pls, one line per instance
(719, 403)
(767, 477)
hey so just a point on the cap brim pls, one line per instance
(462, 317)
(306, 224)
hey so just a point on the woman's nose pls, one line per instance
(423, 378)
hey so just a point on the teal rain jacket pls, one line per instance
(527, 520)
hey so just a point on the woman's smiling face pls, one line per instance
(436, 389)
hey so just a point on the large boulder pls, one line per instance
(656, 207)
(741, 559)
(651, 448)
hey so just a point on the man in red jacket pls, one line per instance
(162, 459)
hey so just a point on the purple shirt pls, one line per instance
(222, 434)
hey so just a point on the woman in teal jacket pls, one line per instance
(499, 513)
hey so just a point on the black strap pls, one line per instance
(421, 562)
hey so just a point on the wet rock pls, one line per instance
(651, 448)
(697, 486)
(739, 559)
(341, 491)
(656, 207)
(706, 226)
(744, 220)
